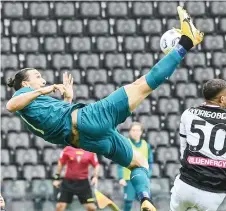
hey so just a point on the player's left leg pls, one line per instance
(90, 207)
(129, 196)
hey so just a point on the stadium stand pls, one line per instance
(103, 45)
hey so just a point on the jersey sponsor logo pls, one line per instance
(206, 162)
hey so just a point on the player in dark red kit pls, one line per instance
(75, 181)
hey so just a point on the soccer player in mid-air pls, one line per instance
(201, 184)
(93, 127)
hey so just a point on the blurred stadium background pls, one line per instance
(104, 45)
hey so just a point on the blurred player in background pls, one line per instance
(201, 184)
(93, 127)
(140, 145)
(75, 181)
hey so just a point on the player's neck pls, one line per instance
(211, 104)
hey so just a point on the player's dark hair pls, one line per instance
(135, 124)
(19, 77)
(212, 88)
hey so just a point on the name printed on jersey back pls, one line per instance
(208, 114)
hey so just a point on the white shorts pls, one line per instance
(185, 197)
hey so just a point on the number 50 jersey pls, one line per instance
(203, 148)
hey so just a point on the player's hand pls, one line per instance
(122, 183)
(94, 181)
(56, 183)
(68, 83)
(2, 202)
(52, 88)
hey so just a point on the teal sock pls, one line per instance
(165, 67)
(128, 205)
(140, 181)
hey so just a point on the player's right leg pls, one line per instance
(61, 206)
(143, 86)
(63, 199)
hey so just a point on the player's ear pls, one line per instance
(25, 84)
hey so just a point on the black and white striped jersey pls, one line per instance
(203, 148)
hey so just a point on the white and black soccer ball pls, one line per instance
(169, 39)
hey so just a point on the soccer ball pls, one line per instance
(169, 39)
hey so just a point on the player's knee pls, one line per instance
(60, 207)
(138, 161)
(91, 207)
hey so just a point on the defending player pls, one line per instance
(140, 145)
(93, 127)
(201, 184)
(75, 181)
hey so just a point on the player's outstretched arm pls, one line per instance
(19, 102)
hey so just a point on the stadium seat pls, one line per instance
(143, 108)
(42, 188)
(39, 9)
(23, 205)
(51, 155)
(224, 73)
(90, 9)
(150, 122)
(125, 27)
(88, 60)
(196, 8)
(156, 138)
(62, 61)
(154, 44)
(222, 25)
(52, 44)
(48, 206)
(3, 92)
(219, 59)
(195, 59)
(24, 156)
(22, 27)
(28, 44)
(17, 140)
(180, 75)
(142, 9)
(8, 172)
(172, 170)
(173, 122)
(173, 23)
(153, 26)
(168, 105)
(114, 171)
(160, 185)
(64, 9)
(48, 75)
(53, 169)
(76, 74)
(9, 61)
(80, 44)
(41, 143)
(13, 10)
(141, 60)
(81, 91)
(46, 27)
(162, 201)
(167, 8)
(34, 171)
(134, 44)
(156, 170)
(5, 156)
(117, 9)
(165, 154)
(205, 25)
(192, 102)
(203, 74)
(186, 90)
(5, 44)
(214, 42)
(96, 76)
(161, 91)
(14, 189)
(121, 76)
(4, 111)
(98, 27)
(36, 61)
(106, 44)
(12, 123)
(72, 27)
(101, 91)
(8, 74)
(218, 8)
(115, 60)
